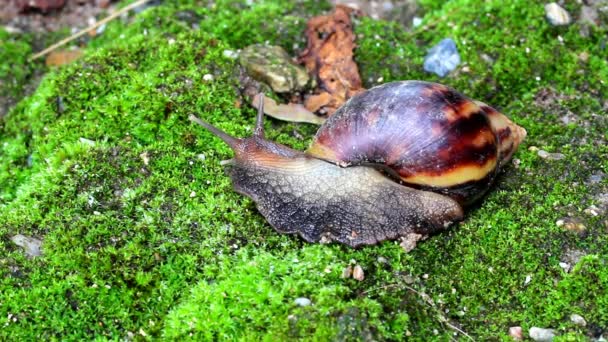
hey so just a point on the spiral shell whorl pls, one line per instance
(430, 135)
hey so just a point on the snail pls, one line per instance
(399, 160)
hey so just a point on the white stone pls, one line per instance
(556, 15)
(230, 54)
(578, 320)
(541, 334)
(302, 301)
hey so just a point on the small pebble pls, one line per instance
(550, 156)
(302, 301)
(207, 77)
(528, 279)
(347, 272)
(573, 256)
(442, 58)
(31, 246)
(596, 177)
(541, 334)
(565, 266)
(192, 194)
(416, 21)
(86, 141)
(572, 224)
(408, 242)
(516, 162)
(358, 273)
(578, 320)
(592, 211)
(516, 333)
(589, 15)
(230, 54)
(145, 157)
(486, 58)
(408, 279)
(12, 29)
(556, 15)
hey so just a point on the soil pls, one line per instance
(75, 14)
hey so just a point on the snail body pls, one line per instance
(398, 160)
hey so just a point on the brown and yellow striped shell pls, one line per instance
(429, 135)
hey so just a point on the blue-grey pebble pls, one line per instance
(442, 58)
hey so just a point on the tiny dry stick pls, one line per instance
(83, 31)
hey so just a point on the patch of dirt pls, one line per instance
(19, 17)
(75, 14)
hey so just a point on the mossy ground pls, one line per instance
(144, 238)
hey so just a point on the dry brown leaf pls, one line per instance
(329, 57)
(61, 57)
(293, 112)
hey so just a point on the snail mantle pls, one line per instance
(400, 160)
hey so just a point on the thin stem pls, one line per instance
(92, 27)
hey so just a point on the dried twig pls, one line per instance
(92, 27)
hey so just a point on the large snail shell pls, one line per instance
(428, 134)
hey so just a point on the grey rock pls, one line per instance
(442, 58)
(347, 272)
(550, 156)
(578, 320)
(596, 177)
(542, 334)
(30, 245)
(589, 15)
(573, 256)
(408, 242)
(302, 301)
(556, 15)
(273, 66)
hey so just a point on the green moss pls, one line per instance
(144, 237)
(15, 70)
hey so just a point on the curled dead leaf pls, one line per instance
(329, 57)
(293, 112)
(62, 57)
